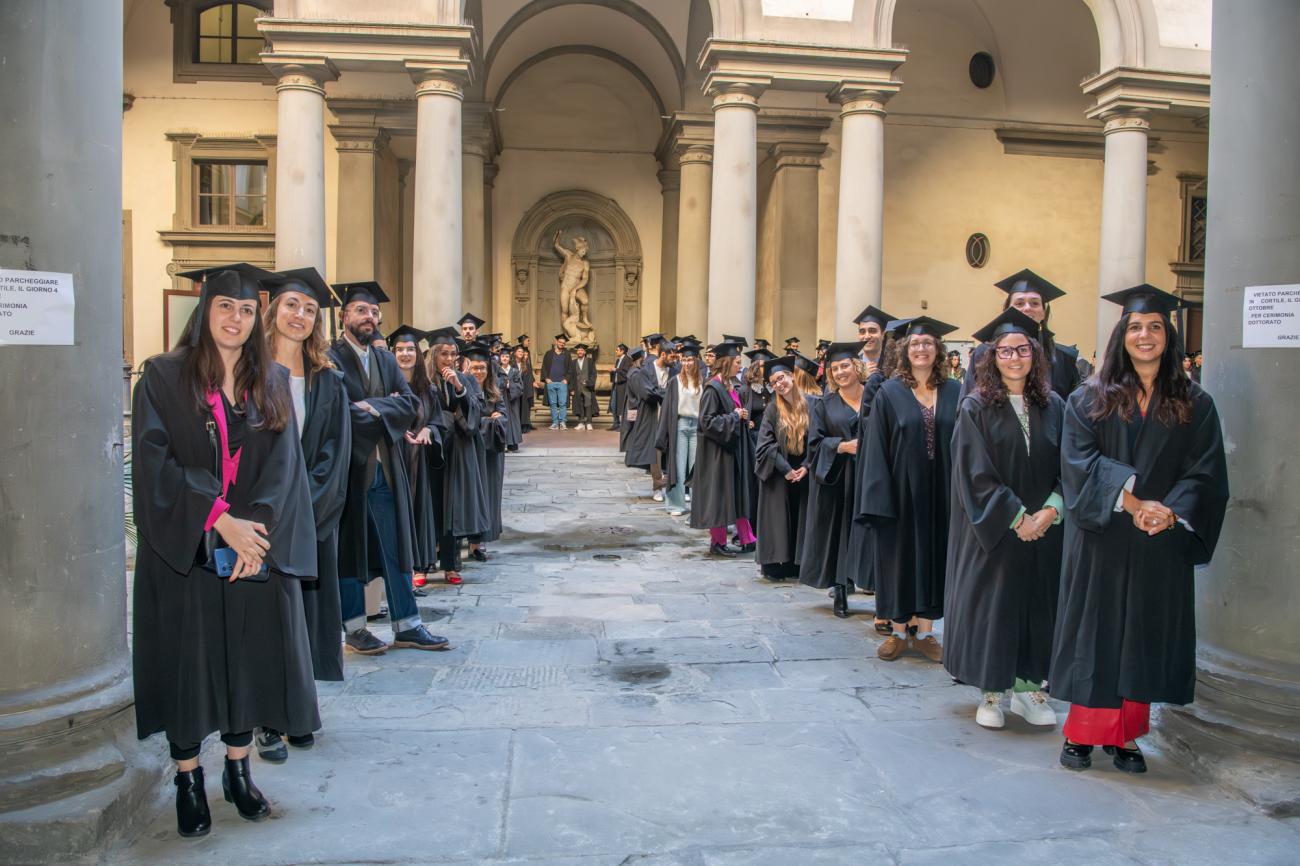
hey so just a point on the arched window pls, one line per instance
(227, 33)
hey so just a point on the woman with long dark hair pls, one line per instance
(493, 437)
(906, 497)
(294, 323)
(1004, 541)
(226, 532)
(782, 474)
(420, 450)
(1032, 295)
(679, 425)
(512, 390)
(1140, 438)
(720, 494)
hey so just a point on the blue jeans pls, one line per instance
(687, 432)
(557, 397)
(381, 513)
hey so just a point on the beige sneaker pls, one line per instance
(929, 647)
(892, 648)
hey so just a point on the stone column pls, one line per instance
(670, 181)
(795, 191)
(437, 282)
(694, 210)
(300, 161)
(356, 254)
(71, 773)
(490, 171)
(859, 244)
(733, 223)
(1123, 257)
(1244, 728)
(475, 296)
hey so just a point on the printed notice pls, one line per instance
(1270, 317)
(36, 308)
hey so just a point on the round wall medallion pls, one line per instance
(982, 69)
(977, 250)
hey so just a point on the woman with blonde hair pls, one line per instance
(805, 372)
(783, 477)
(725, 460)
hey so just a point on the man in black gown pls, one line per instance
(375, 535)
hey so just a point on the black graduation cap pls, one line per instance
(475, 350)
(840, 351)
(727, 349)
(789, 340)
(638, 352)
(1145, 298)
(690, 349)
(564, 337)
(776, 365)
(760, 343)
(873, 314)
(239, 280)
(367, 290)
(475, 320)
(1012, 321)
(448, 336)
(739, 341)
(406, 334)
(823, 344)
(653, 339)
(808, 365)
(760, 356)
(929, 326)
(622, 346)
(1028, 281)
(308, 281)
(582, 346)
(520, 339)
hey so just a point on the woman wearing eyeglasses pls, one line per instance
(1004, 540)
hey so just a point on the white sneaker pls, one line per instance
(588, 425)
(555, 426)
(688, 497)
(658, 496)
(1033, 708)
(989, 714)
(675, 512)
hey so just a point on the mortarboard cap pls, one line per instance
(1012, 321)
(443, 337)
(808, 365)
(760, 343)
(776, 365)
(823, 344)
(873, 314)
(739, 341)
(367, 290)
(840, 351)
(582, 346)
(689, 349)
(759, 356)
(929, 326)
(653, 339)
(564, 337)
(520, 339)
(307, 281)
(406, 334)
(1145, 298)
(622, 346)
(789, 340)
(1028, 281)
(636, 353)
(473, 319)
(475, 350)
(726, 349)
(240, 280)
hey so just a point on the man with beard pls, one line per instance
(378, 504)
(871, 324)
(469, 325)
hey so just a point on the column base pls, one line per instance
(1243, 731)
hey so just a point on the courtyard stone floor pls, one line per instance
(616, 697)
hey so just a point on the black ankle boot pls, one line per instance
(841, 601)
(192, 816)
(237, 785)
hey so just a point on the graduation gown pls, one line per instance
(643, 386)
(357, 557)
(1001, 592)
(527, 379)
(420, 462)
(618, 387)
(512, 393)
(756, 402)
(1064, 369)
(631, 407)
(582, 387)
(666, 434)
(832, 550)
(210, 655)
(906, 499)
(863, 535)
(1125, 624)
(326, 450)
(495, 436)
(781, 506)
(462, 506)
(724, 462)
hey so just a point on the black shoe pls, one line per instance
(192, 815)
(841, 606)
(1128, 760)
(512, 448)
(237, 785)
(749, 548)
(270, 746)
(724, 550)
(420, 638)
(363, 642)
(306, 741)
(478, 554)
(1075, 756)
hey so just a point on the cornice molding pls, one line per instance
(374, 47)
(792, 66)
(1126, 89)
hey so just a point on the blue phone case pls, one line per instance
(225, 558)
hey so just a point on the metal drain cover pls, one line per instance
(614, 530)
(607, 557)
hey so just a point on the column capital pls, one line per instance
(490, 172)
(1126, 118)
(301, 71)
(694, 154)
(736, 91)
(439, 79)
(1132, 89)
(359, 139)
(797, 154)
(670, 180)
(863, 97)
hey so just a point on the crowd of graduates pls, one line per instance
(1052, 520)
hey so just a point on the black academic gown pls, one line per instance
(528, 380)
(326, 450)
(724, 463)
(755, 401)
(512, 392)
(357, 557)
(1001, 592)
(1064, 369)
(864, 537)
(643, 386)
(781, 506)
(420, 460)
(631, 407)
(210, 655)
(832, 546)
(666, 434)
(582, 387)
(1125, 624)
(495, 436)
(462, 507)
(906, 500)
(618, 388)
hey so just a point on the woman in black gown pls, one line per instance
(404, 343)
(512, 390)
(724, 459)
(494, 434)
(1004, 541)
(906, 494)
(1141, 438)
(783, 477)
(832, 553)
(218, 476)
(295, 335)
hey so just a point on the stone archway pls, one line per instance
(614, 251)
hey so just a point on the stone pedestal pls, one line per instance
(693, 214)
(733, 225)
(71, 772)
(300, 160)
(859, 244)
(1123, 257)
(1244, 728)
(437, 281)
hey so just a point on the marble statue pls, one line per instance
(574, 298)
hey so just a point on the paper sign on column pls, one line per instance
(1270, 317)
(36, 308)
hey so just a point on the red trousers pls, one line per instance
(1092, 726)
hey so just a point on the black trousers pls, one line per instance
(188, 751)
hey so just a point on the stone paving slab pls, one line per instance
(669, 709)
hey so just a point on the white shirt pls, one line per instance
(298, 390)
(363, 352)
(688, 400)
(661, 374)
